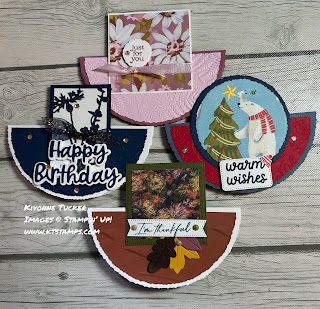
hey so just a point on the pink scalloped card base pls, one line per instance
(158, 108)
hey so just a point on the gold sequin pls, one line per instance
(76, 190)
(195, 227)
(29, 136)
(125, 140)
(76, 105)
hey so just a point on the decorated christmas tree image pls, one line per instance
(221, 141)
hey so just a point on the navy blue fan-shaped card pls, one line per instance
(78, 155)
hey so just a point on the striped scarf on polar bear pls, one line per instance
(264, 117)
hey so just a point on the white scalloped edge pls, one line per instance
(142, 158)
(203, 275)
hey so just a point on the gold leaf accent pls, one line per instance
(178, 262)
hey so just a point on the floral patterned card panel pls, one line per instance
(164, 191)
(167, 35)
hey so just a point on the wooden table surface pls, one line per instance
(276, 258)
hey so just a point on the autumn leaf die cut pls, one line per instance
(190, 243)
(169, 252)
(178, 262)
(161, 253)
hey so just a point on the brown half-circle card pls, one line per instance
(108, 228)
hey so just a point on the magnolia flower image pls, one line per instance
(120, 35)
(134, 88)
(166, 17)
(171, 47)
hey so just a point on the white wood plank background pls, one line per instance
(275, 262)
(247, 280)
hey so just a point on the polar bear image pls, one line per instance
(260, 129)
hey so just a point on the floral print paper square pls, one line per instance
(164, 191)
(168, 34)
(166, 194)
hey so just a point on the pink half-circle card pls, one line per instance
(157, 107)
